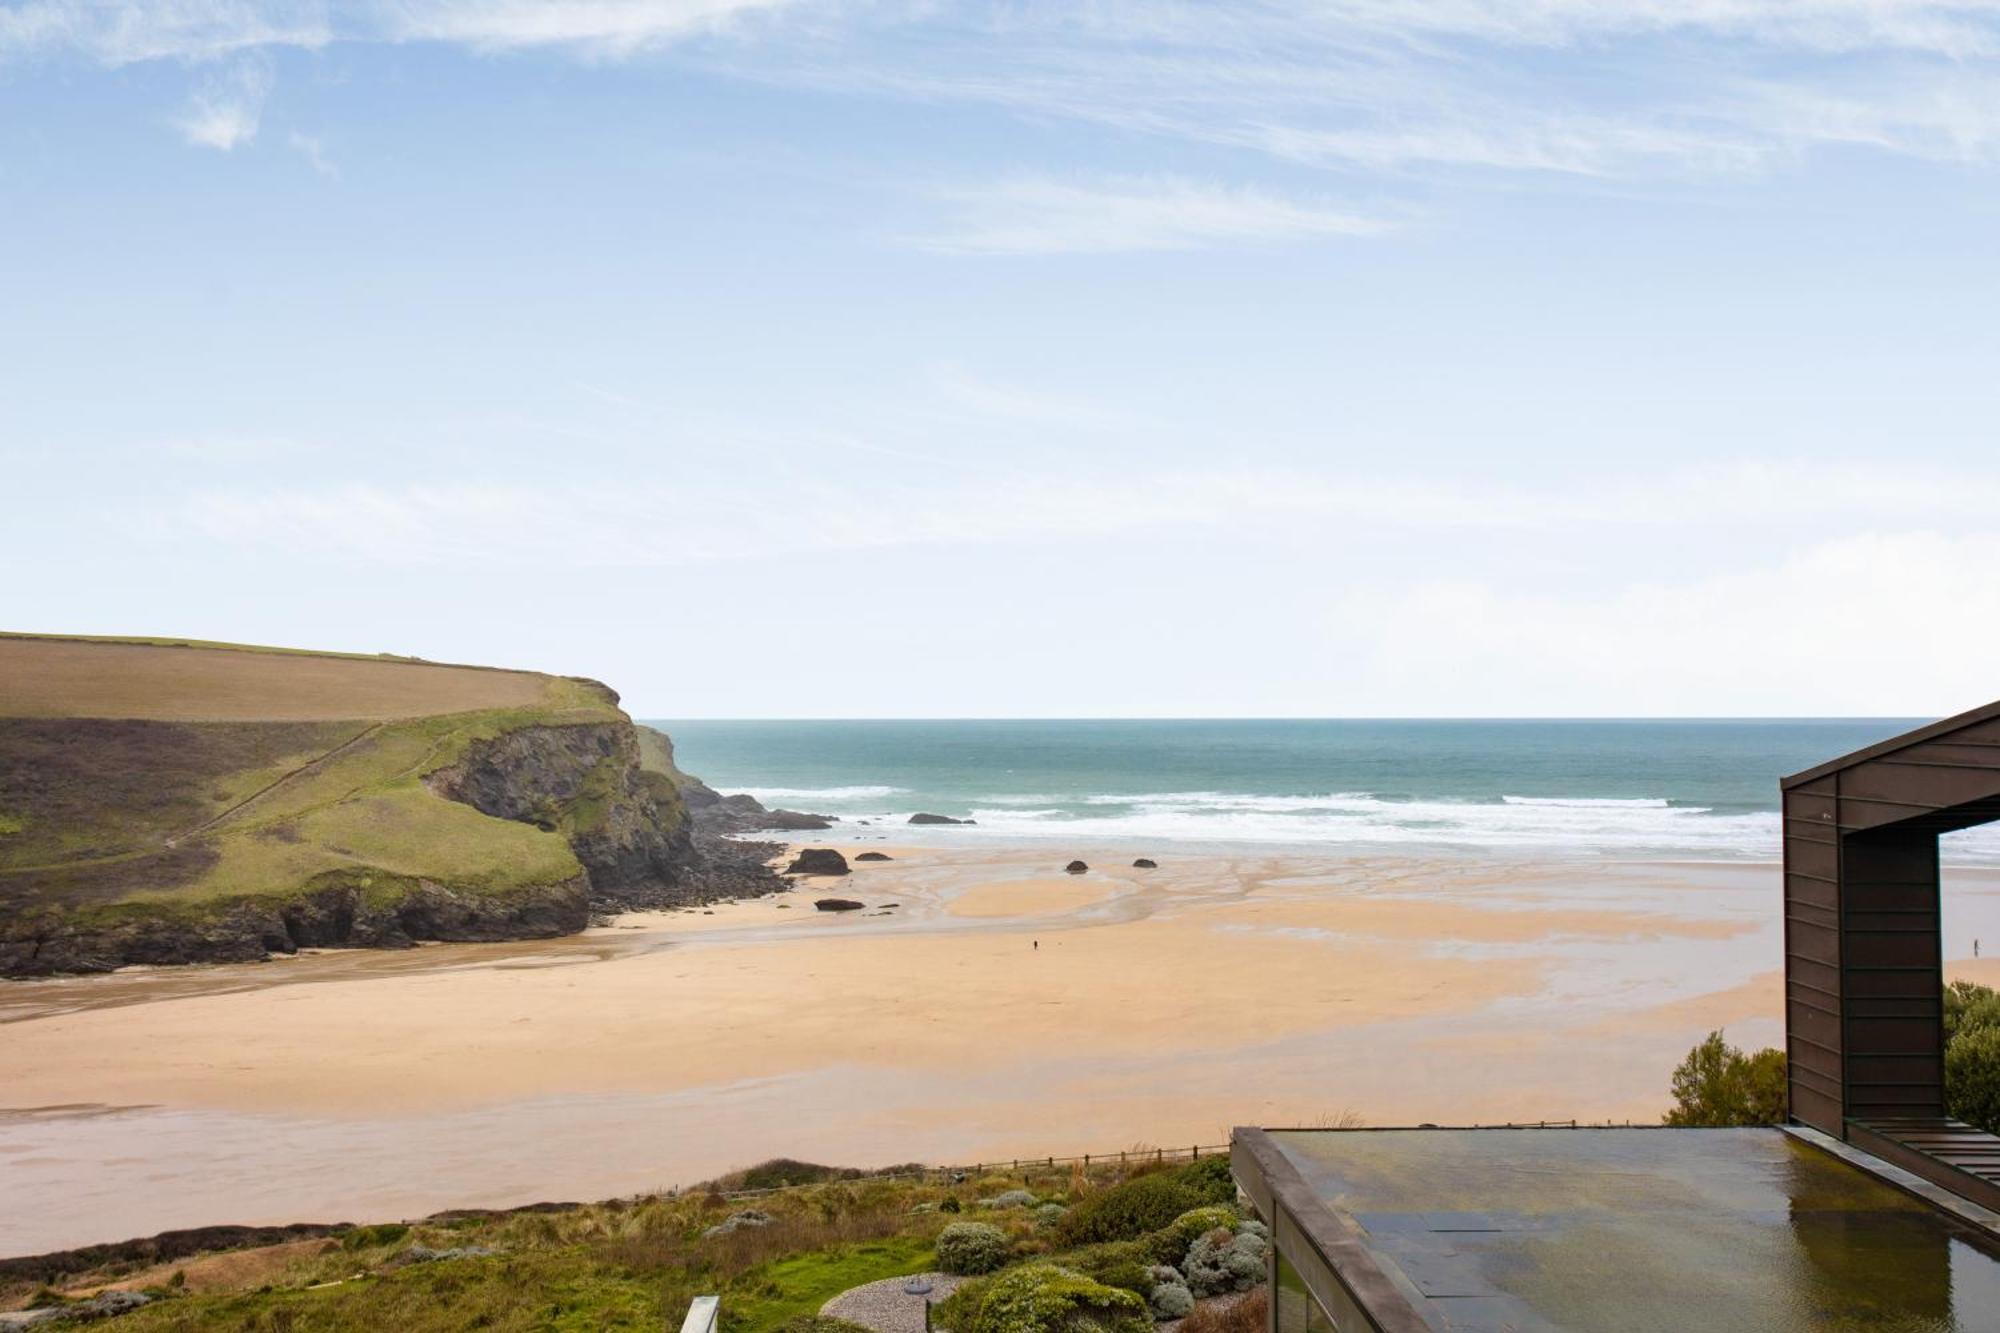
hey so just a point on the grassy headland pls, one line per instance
(164, 801)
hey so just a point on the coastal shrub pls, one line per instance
(1048, 1214)
(1170, 1243)
(1972, 1077)
(1045, 1298)
(367, 1238)
(1223, 1260)
(950, 1204)
(1969, 1006)
(1010, 1199)
(966, 1248)
(1245, 1316)
(1168, 1294)
(1147, 1203)
(1718, 1084)
(1117, 1263)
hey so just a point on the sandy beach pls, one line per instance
(983, 1005)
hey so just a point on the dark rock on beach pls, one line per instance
(924, 818)
(837, 905)
(1075, 868)
(795, 820)
(817, 861)
(874, 856)
(1145, 863)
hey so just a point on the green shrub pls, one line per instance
(1170, 1243)
(1010, 1199)
(950, 1204)
(1147, 1203)
(1043, 1298)
(1720, 1085)
(367, 1238)
(967, 1248)
(1968, 1007)
(1048, 1214)
(1117, 1263)
(1972, 1077)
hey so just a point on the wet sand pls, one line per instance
(982, 1006)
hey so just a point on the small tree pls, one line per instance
(1972, 1054)
(1972, 1077)
(1719, 1085)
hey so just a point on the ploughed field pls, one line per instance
(168, 802)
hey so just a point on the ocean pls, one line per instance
(1702, 789)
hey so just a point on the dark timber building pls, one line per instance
(1870, 1211)
(1864, 962)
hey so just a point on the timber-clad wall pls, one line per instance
(1864, 967)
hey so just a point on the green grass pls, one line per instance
(798, 1285)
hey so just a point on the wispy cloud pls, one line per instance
(314, 152)
(1598, 88)
(227, 105)
(698, 520)
(1041, 215)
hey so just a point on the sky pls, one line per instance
(795, 358)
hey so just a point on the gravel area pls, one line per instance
(885, 1307)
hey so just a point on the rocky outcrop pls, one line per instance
(339, 913)
(628, 827)
(837, 905)
(794, 821)
(874, 856)
(926, 818)
(1075, 868)
(1145, 863)
(817, 861)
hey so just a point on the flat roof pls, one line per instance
(1630, 1229)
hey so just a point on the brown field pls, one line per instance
(186, 683)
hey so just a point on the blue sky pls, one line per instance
(831, 359)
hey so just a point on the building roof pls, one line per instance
(1616, 1229)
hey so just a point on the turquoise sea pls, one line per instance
(1639, 788)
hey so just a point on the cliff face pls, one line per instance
(627, 826)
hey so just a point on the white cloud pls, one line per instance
(1038, 215)
(1902, 623)
(227, 106)
(612, 27)
(699, 518)
(1384, 86)
(314, 152)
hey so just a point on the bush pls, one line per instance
(1011, 1199)
(1170, 1243)
(1972, 1077)
(1048, 1214)
(1147, 1203)
(1968, 1007)
(1223, 1260)
(1043, 1298)
(1720, 1085)
(1119, 1263)
(365, 1238)
(1244, 1316)
(967, 1248)
(950, 1204)
(1169, 1297)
